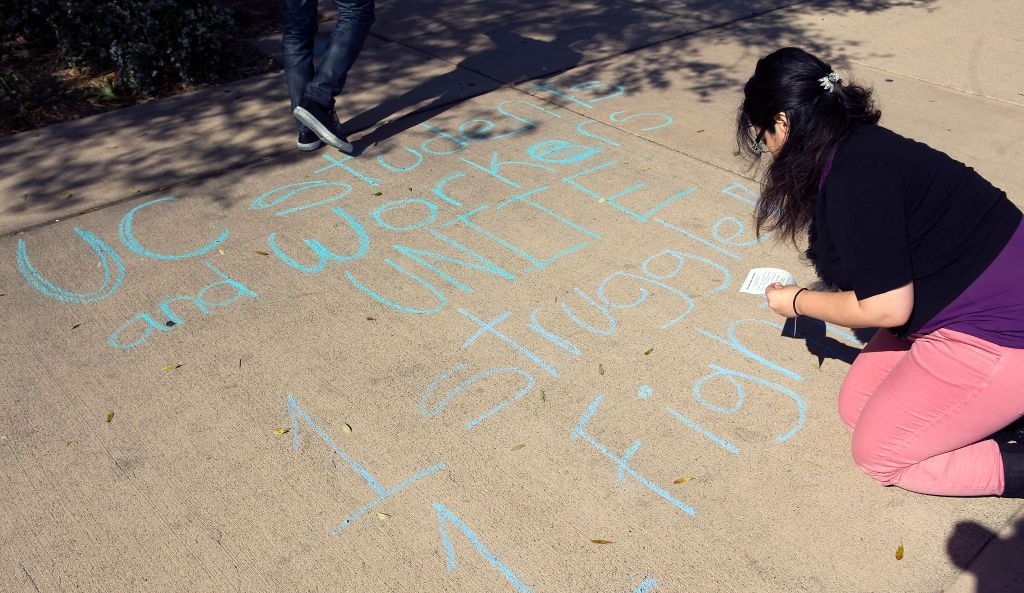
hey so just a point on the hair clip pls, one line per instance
(829, 82)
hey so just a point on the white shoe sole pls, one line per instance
(320, 130)
(311, 146)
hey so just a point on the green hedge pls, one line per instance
(148, 43)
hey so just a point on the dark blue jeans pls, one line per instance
(326, 81)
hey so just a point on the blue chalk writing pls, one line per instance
(593, 84)
(481, 263)
(441, 300)
(680, 261)
(530, 124)
(429, 218)
(705, 432)
(444, 517)
(624, 460)
(151, 324)
(444, 137)
(547, 87)
(645, 392)
(324, 254)
(130, 241)
(439, 189)
(581, 129)
(297, 412)
(200, 302)
(108, 257)
(261, 203)
(716, 232)
(621, 462)
(561, 152)
(644, 216)
(373, 182)
(433, 387)
(552, 337)
(492, 328)
(700, 240)
(731, 375)
(604, 310)
(741, 193)
(644, 293)
(666, 120)
(536, 263)
(497, 165)
(466, 385)
(483, 132)
(646, 586)
(390, 167)
(571, 180)
(733, 342)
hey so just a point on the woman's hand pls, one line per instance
(780, 298)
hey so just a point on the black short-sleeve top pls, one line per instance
(892, 211)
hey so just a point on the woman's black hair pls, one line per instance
(789, 81)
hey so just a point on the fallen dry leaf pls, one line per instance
(518, 447)
(345, 427)
(172, 367)
(110, 416)
(281, 430)
(71, 442)
(600, 369)
(383, 516)
(682, 480)
(648, 351)
(76, 326)
(543, 396)
(221, 251)
(602, 200)
(262, 253)
(602, 541)
(899, 552)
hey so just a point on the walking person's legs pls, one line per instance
(297, 38)
(316, 106)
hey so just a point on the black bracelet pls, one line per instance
(795, 312)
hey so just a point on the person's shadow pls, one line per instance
(814, 333)
(998, 565)
(512, 58)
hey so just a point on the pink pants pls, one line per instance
(921, 410)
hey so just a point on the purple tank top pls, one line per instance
(992, 307)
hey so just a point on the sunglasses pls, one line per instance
(757, 145)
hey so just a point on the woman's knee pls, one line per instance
(874, 460)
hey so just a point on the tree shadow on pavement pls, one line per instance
(442, 92)
(639, 43)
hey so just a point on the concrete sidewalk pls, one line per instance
(501, 349)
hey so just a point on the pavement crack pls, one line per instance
(29, 575)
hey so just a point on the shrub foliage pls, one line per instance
(148, 43)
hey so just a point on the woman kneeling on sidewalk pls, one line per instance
(919, 245)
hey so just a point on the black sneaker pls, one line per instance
(308, 141)
(323, 121)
